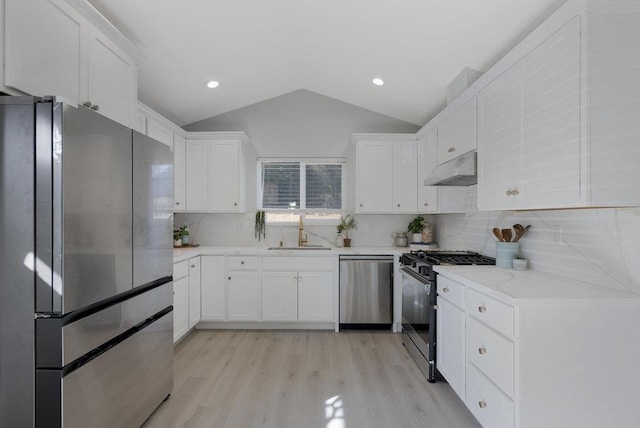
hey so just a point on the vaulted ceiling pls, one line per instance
(260, 49)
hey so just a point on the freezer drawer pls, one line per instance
(119, 388)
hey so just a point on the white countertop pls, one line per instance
(509, 284)
(180, 254)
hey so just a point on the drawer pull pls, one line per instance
(445, 290)
(193, 266)
(482, 309)
(482, 351)
(482, 404)
(451, 149)
(229, 278)
(242, 262)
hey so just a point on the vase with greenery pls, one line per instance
(347, 223)
(415, 227)
(179, 235)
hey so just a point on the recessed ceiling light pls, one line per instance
(213, 84)
(378, 81)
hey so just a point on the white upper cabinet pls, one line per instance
(53, 48)
(385, 173)
(435, 199)
(179, 173)
(457, 132)
(220, 173)
(405, 159)
(530, 128)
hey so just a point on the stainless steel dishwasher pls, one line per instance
(366, 291)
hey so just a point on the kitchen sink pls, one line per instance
(305, 247)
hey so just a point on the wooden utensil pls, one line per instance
(519, 230)
(506, 235)
(522, 234)
(498, 234)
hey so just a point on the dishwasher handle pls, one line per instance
(383, 258)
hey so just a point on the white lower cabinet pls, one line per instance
(242, 295)
(280, 296)
(489, 405)
(212, 286)
(180, 308)
(194, 291)
(450, 355)
(315, 296)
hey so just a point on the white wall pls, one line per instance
(302, 124)
(600, 246)
(298, 124)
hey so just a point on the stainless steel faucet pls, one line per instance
(301, 240)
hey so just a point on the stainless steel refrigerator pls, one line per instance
(85, 268)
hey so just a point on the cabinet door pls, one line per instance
(550, 159)
(212, 285)
(499, 148)
(242, 296)
(179, 173)
(43, 48)
(457, 133)
(180, 308)
(315, 296)
(197, 175)
(451, 345)
(427, 162)
(375, 177)
(112, 81)
(224, 180)
(194, 291)
(405, 174)
(279, 296)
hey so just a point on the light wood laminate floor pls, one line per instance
(355, 379)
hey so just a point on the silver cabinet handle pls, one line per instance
(445, 290)
(482, 404)
(515, 192)
(177, 203)
(482, 308)
(482, 351)
(451, 149)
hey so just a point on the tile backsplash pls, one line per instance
(600, 246)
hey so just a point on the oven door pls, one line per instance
(415, 310)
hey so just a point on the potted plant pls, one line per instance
(347, 223)
(179, 236)
(415, 227)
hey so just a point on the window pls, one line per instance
(313, 188)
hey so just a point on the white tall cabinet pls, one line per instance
(68, 49)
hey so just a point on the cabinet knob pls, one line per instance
(87, 104)
(95, 107)
(398, 205)
(451, 149)
(435, 307)
(445, 290)
(193, 266)
(229, 278)
(235, 204)
(482, 404)
(242, 262)
(482, 351)
(515, 192)
(482, 308)
(360, 205)
(426, 204)
(177, 203)
(508, 193)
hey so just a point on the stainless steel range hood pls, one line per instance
(460, 171)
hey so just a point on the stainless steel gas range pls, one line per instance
(419, 301)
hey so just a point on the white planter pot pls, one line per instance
(416, 237)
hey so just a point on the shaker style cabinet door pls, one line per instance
(197, 175)
(427, 162)
(405, 166)
(224, 180)
(451, 345)
(179, 173)
(242, 296)
(180, 308)
(195, 310)
(280, 296)
(375, 177)
(457, 133)
(212, 282)
(315, 296)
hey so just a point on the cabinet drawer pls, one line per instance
(451, 291)
(243, 263)
(487, 403)
(491, 353)
(300, 264)
(490, 311)
(180, 269)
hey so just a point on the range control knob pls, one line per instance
(414, 264)
(423, 270)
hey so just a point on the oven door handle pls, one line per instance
(416, 276)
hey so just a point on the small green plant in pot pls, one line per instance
(179, 235)
(415, 227)
(347, 223)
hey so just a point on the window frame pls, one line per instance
(303, 162)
